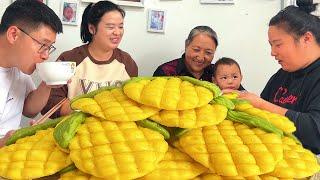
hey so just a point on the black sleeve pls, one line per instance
(159, 72)
(308, 122)
(265, 94)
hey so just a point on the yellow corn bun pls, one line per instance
(209, 114)
(175, 165)
(232, 149)
(114, 105)
(78, 175)
(233, 95)
(211, 176)
(277, 120)
(116, 150)
(268, 177)
(32, 157)
(297, 161)
(168, 94)
(88, 105)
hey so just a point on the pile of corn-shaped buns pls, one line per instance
(159, 128)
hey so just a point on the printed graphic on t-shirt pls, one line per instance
(89, 77)
(283, 97)
(88, 86)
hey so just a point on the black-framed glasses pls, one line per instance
(43, 48)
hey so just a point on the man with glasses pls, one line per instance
(43, 48)
(28, 29)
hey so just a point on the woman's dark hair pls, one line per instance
(29, 15)
(225, 61)
(297, 20)
(93, 14)
(202, 29)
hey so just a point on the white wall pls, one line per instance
(242, 31)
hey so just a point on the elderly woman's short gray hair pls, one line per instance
(199, 30)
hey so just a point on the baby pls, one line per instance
(227, 74)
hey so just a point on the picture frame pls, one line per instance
(156, 20)
(133, 3)
(43, 1)
(69, 12)
(217, 1)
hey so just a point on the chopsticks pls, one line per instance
(50, 112)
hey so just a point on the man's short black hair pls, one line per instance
(29, 15)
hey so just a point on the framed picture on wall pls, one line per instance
(156, 20)
(69, 12)
(135, 3)
(43, 1)
(217, 1)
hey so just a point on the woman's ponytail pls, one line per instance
(85, 34)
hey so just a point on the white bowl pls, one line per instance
(56, 73)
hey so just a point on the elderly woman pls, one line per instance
(200, 47)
